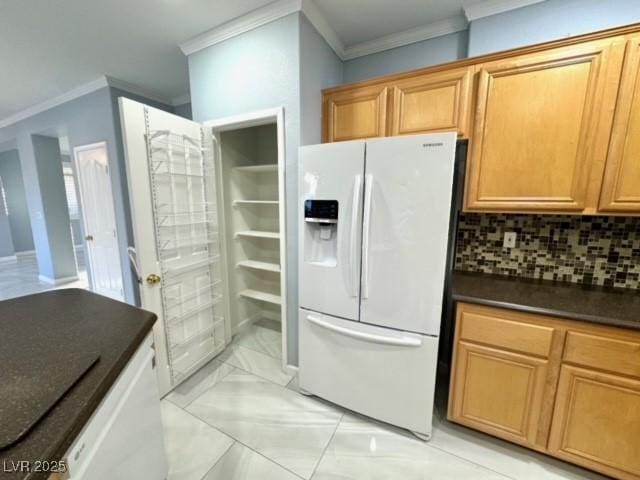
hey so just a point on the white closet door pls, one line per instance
(172, 190)
(92, 167)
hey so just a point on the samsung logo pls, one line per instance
(439, 144)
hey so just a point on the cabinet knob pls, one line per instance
(153, 279)
(89, 238)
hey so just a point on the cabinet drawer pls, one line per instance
(504, 329)
(603, 353)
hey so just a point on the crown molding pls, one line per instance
(323, 27)
(89, 87)
(136, 90)
(245, 23)
(282, 8)
(406, 37)
(486, 8)
(84, 89)
(181, 100)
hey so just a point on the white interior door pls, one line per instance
(98, 216)
(172, 186)
(329, 257)
(407, 205)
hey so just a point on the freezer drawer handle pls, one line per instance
(369, 337)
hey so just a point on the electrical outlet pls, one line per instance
(509, 239)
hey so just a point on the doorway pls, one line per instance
(98, 218)
(251, 151)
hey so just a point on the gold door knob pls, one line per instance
(89, 238)
(152, 279)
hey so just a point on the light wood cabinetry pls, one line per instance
(498, 351)
(553, 128)
(433, 102)
(597, 421)
(541, 128)
(565, 388)
(621, 185)
(513, 415)
(359, 113)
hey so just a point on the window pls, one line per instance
(70, 188)
(4, 198)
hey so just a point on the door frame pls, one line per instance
(76, 151)
(253, 119)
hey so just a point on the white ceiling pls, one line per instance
(357, 21)
(49, 48)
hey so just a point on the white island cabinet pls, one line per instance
(123, 438)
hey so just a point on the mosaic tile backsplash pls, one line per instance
(579, 249)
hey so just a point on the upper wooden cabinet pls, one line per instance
(552, 128)
(540, 126)
(621, 186)
(421, 103)
(433, 102)
(352, 114)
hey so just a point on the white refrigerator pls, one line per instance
(374, 226)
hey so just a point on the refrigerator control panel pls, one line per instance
(321, 211)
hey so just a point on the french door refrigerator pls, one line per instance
(374, 226)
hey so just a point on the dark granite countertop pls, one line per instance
(606, 306)
(72, 320)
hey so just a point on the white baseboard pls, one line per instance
(271, 315)
(291, 369)
(246, 323)
(8, 259)
(26, 253)
(57, 281)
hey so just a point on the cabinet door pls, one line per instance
(621, 186)
(357, 113)
(498, 392)
(595, 422)
(433, 102)
(538, 129)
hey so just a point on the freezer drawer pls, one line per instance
(385, 374)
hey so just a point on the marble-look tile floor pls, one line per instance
(20, 278)
(241, 417)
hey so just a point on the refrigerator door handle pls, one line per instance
(368, 337)
(353, 236)
(366, 230)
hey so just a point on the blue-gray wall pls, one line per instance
(11, 174)
(541, 22)
(258, 70)
(320, 68)
(183, 110)
(434, 51)
(49, 210)
(285, 63)
(6, 242)
(549, 20)
(88, 119)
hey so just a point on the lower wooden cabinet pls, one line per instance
(514, 414)
(597, 421)
(565, 388)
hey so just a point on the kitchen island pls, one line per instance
(99, 417)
